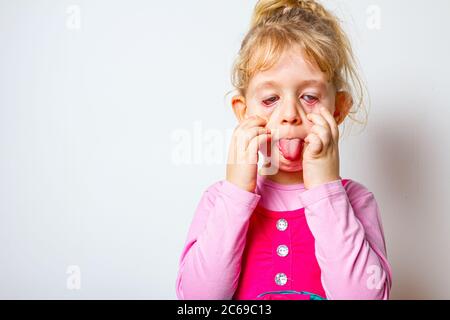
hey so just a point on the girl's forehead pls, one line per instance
(292, 65)
(288, 73)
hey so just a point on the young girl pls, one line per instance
(299, 231)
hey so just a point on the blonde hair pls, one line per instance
(276, 25)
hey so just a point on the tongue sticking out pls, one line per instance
(290, 148)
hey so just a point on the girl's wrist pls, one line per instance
(321, 182)
(242, 186)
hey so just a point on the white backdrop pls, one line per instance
(97, 96)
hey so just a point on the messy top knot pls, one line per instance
(277, 25)
(274, 9)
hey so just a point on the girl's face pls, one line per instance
(284, 95)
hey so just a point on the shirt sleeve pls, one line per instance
(210, 263)
(349, 241)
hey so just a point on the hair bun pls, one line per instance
(266, 10)
(313, 6)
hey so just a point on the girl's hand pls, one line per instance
(242, 166)
(321, 152)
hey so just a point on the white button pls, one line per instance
(282, 250)
(280, 279)
(282, 224)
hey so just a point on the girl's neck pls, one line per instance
(286, 178)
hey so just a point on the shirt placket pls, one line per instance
(281, 255)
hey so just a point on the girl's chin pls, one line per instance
(290, 166)
(285, 164)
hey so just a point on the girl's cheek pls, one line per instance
(309, 109)
(267, 111)
(265, 115)
(314, 109)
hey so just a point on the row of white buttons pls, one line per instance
(282, 251)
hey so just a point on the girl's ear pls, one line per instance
(239, 107)
(343, 104)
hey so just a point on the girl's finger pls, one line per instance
(250, 133)
(314, 144)
(323, 133)
(318, 119)
(256, 142)
(253, 122)
(331, 122)
(243, 139)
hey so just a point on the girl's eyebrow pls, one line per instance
(265, 84)
(312, 82)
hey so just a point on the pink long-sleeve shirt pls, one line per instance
(327, 241)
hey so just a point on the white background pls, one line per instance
(88, 114)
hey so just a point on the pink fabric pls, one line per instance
(334, 235)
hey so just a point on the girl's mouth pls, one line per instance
(291, 149)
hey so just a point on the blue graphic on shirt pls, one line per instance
(312, 296)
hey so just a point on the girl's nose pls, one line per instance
(290, 113)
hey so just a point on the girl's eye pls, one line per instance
(309, 99)
(270, 101)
